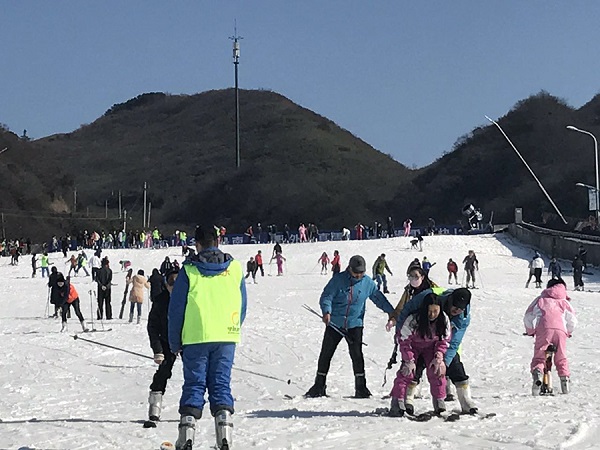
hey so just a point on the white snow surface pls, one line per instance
(58, 393)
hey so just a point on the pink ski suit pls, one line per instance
(407, 225)
(555, 321)
(412, 345)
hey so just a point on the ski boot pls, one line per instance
(360, 386)
(537, 376)
(397, 408)
(83, 327)
(130, 318)
(565, 384)
(139, 319)
(410, 397)
(463, 392)
(155, 405)
(439, 406)
(187, 429)
(224, 429)
(318, 389)
(449, 390)
(64, 327)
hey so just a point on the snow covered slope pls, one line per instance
(58, 393)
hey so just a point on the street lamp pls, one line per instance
(571, 127)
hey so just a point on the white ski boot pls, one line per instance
(450, 390)
(537, 376)
(64, 327)
(187, 429)
(565, 383)
(83, 327)
(224, 429)
(463, 392)
(439, 406)
(411, 389)
(155, 405)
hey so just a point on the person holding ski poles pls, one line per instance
(69, 297)
(279, 259)
(471, 265)
(551, 319)
(206, 313)
(452, 270)
(158, 334)
(324, 260)
(456, 305)
(379, 268)
(343, 304)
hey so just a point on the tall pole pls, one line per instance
(571, 127)
(3, 230)
(149, 209)
(106, 209)
(236, 62)
(125, 222)
(119, 203)
(75, 199)
(144, 217)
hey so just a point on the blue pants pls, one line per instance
(379, 279)
(206, 366)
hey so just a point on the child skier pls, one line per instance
(324, 260)
(452, 270)
(251, 269)
(335, 262)
(425, 333)
(279, 259)
(551, 319)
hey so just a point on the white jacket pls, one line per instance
(537, 263)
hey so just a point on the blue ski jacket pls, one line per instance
(345, 297)
(459, 323)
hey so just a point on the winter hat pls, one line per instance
(357, 264)
(171, 271)
(60, 277)
(461, 297)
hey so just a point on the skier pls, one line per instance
(157, 283)
(456, 305)
(418, 281)
(136, 296)
(33, 265)
(251, 269)
(69, 297)
(554, 269)
(302, 233)
(452, 270)
(104, 280)
(206, 313)
(286, 233)
(578, 267)
(583, 255)
(471, 265)
(335, 262)
(426, 265)
(72, 262)
(159, 342)
(324, 260)
(407, 223)
(379, 268)
(95, 264)
(279, 259)
(82, 263)
(54, 298)
(426, 333)
(277, 249)
(343, 304)
(165, 266)
(537, 264)
(259, 263)
(44, 264)
(345, 234)
(390, 227)
(551, 319)
(430, 226)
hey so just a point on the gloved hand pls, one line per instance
(390, 325)
(103, 288)
(438, 366)
(159, 358)
(408, 368)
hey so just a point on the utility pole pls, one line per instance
(3, 230)
(106, 209)
(75, 199)
(119, 203)
(125, 223)
(144, 216)
(149, 209)
(236, 61)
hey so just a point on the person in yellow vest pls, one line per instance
(206, 312)
(45, 263)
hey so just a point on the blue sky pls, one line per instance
(408, 77)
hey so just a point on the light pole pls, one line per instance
(236, 61)
(571, 127)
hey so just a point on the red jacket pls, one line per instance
(73, 295)
(258, 259)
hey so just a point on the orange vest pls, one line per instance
(73, 295)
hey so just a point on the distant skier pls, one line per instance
(417, 242)
(390, 227)
(165, 266)
(251, 269)
(302, 233)
(136, 296)
(551, 319)
(379, 268)
(279, 259)
(583, 256)
(471, 265)
(554, 269)
(426, 265)
(44, 264)
(259, 263)
(335, 262)
(324, 260)
(578, 267)
(452, 270)
(407, 224)
(68, 297)
(345, 234)
(537, 264)
(277, 249)
(33, 265)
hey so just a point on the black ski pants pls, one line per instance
(455, 371)
(538, 275)
(65, 309)
(262, 271)
(104, 301)
(578, 278)
(332, 338)
(164, 371)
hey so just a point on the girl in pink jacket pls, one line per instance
(551, 319)
(425, 334)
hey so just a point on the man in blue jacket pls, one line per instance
(456, 305)
(206, 312)
(343, 303)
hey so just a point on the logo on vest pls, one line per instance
(235, 321)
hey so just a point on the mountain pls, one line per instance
(296, 166)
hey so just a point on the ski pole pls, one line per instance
(393, 360)
(91, 309)
(48, 304)
(76, 336)
(333, 326)
(480, 279)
